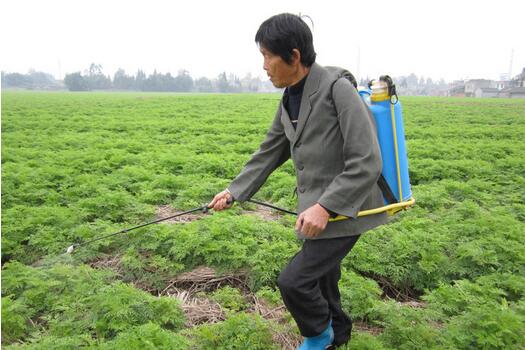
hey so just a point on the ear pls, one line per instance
(296, 56)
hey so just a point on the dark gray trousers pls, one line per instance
(309, 287)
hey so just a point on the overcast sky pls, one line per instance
(438, 39)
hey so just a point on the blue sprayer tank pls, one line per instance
(386, 109)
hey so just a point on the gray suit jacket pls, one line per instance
(335, 152)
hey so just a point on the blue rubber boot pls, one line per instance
(320, 342)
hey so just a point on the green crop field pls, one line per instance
(446, 274)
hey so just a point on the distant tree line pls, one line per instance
(32, 80)
(412, 85)
(93, 78)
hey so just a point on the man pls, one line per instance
(322, 124)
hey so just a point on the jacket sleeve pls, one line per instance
(273, 151)
(362, 156)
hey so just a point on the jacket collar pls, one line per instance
(311, 87)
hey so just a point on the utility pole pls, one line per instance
(510, 65)
(358, 78)
(59, 71)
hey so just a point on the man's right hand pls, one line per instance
(222, 200)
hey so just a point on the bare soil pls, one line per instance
(264, 213)
(165, 211)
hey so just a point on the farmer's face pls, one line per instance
(281, 73)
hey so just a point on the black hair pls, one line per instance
(282, 33)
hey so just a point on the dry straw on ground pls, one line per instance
(199, 310)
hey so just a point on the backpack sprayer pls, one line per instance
(381, 97)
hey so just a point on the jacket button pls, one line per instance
(300, 167)
(301, 189)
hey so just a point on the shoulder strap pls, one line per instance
(339, 72)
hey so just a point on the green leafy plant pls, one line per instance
(147, 336)
(229, 298)
(241, 331)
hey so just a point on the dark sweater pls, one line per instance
(292, 100)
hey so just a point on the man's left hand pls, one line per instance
(312, 221)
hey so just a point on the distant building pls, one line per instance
(486, 92)
(519, 80)
(514, 88)
(485, 88)
(456, 89)
(501, 84)
(513, 92)
(472, 85)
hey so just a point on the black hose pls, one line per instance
(272, 206)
